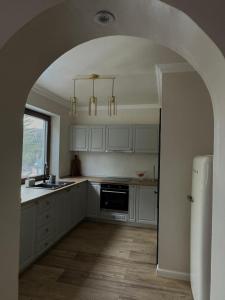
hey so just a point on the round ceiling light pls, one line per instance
(104, 17)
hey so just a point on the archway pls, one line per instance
(59, 29)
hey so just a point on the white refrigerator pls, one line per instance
(201, 227)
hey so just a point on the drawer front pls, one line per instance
(43, 205)
(45, 218)
(44, 232)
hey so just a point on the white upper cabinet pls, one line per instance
(146, 205)
(79, 138)
(97, 139)
(119, 138)
(146, 138)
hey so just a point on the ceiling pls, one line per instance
(132, 60)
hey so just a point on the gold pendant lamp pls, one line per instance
(93, 101)
(112, 105)
(74, 101)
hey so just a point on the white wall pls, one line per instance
(187, 131)
(60, 154)
(118, 164)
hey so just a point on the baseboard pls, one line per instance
(172, 274)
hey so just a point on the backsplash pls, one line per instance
(118, 164)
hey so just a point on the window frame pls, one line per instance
(47, 118)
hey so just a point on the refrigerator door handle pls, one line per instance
(190, 198)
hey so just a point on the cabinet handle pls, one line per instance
(156, 192)
(113, 192)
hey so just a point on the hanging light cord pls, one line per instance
(93, 87)
(113, 81)
(74, 88)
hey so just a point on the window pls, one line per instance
(36, 144)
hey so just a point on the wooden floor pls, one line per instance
(99, 261)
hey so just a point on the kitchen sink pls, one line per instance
(52, 186)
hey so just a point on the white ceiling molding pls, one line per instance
(161, 69)
(51, 96)
(123, 107)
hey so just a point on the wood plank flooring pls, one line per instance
(99, 261)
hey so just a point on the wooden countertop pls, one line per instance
(131, 181)
(30, 194)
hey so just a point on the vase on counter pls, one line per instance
(75, 167)
(140, 174)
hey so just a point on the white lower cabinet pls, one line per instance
(146, 205)
(142, 208)
(78, 203)
(62, 212)
(68, 193)
(27, 235)
(45, 221)
(93, 204)
(83, 192)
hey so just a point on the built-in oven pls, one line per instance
(114, 197)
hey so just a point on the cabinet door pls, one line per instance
(63, 212)
(79, 138)
(45, 223)
(27, 235)
(132, 202)
(67, 209)
(146, 138)
(93, 205)
(119, 138)
(146, 205)
(78, 203)
(75, 205)
(83, 199)
(97, 138)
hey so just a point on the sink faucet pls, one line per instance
(45, 177)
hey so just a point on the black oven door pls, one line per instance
(114, 197)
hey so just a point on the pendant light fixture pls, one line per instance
(93, 100)
(112, 105)
(73, 101)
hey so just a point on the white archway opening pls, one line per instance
(56, 31)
